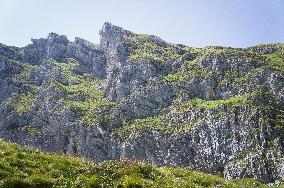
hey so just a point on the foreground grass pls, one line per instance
(21, 167)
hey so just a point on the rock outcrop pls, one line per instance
(214, 109)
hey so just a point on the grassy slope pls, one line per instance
(22, 167)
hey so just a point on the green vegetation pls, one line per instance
(238, 100)
(137, 126)
(26, 71)
(150, 47)
(81, 94)
(176, 77)
(195, 70)
(22, 103)
(23, 168)
(162, 123)
(273, 60)
(197, 104)
(276, 60)
(235, 77)
(279, 121)
(229, 53)
(21, 73)
(33, 130)
(273, 55)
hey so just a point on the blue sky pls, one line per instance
(199, 23)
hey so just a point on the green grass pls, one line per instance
(176, 77)
(141, 46)
(238, 100)
(138, 126)
(81, 94)
(223, 52)
(22, 167)
(195, 70)
(276, 60)
(22, 103)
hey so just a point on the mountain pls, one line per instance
(136, 97)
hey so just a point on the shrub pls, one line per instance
(15, 182)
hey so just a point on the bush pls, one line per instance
(148, 171)
(41, 181)
(132, 182)
(93, 182)
(15, 183)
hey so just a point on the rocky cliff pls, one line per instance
(134, 96)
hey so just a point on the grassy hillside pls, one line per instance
(22, 167)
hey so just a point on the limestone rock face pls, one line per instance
(112, 46)
(214, 109)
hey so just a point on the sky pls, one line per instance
(197, 23)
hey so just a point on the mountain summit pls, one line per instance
(135, 96)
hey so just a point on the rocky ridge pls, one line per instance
(133, 96)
